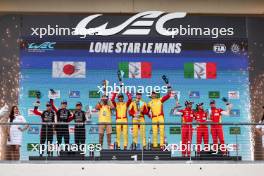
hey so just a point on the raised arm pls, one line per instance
(129, 96)
(53, 105)
(166, 97)
(113, 99)
(227, 111)
(36, 111)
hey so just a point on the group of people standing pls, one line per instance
(57, 122)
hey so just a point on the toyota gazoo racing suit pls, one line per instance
(155, 107)
(200, 116)
(121, 117)
(187, 115)
(137, 110)
(63, 115)
(217, 129)
(46, 134)
(79, 129)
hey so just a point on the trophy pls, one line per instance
(137, 115)
(166, 80)
(52, 91)
(120, 75)
(88, 113)
(38, 94)
(225, 100)
(105, 84)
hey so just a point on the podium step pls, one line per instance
(131, 154)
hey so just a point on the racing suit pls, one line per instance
(104, 117)
(202, 129)
(46, 134)
(79, 129)
(137, 110)
(186, 129)
(121, 117)
(63, 115)
(157, 116)
(217, 129)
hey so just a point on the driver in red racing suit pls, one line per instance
(217, 129)
(187, 117)
(200, 115)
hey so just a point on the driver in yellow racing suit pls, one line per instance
(137, 110)
(157, 116)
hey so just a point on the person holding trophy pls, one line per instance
(216, 117)
(137, 110)
(47, 130)
(104, 119)
(155, 108)
(121, 117)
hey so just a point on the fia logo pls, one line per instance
(219, 48)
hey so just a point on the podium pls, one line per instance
(132, 154)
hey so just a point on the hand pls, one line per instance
(37, 104)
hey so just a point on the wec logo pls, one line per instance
(142, 20)
(139, 24)
(45, 45)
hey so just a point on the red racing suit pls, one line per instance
(217, 129)
(186, 131)
(202, 129)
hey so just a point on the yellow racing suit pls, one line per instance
(121, 117)
(157, 115)
(137, 109)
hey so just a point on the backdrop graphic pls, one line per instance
(74, 67)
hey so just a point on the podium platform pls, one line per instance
(130, 155)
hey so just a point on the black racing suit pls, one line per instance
(46, 133)
(63, 115)
(79, 130)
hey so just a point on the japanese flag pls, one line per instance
(68, 69)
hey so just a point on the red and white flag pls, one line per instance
(68, 69)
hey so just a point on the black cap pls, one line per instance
(188, 102)
(64, 102)
(48, 104)
(153, 92)
(78, 103)
(212, 101)
(199, 104)
(138, 93)
(104, 97)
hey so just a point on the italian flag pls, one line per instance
(200, 70)
(136, 69)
